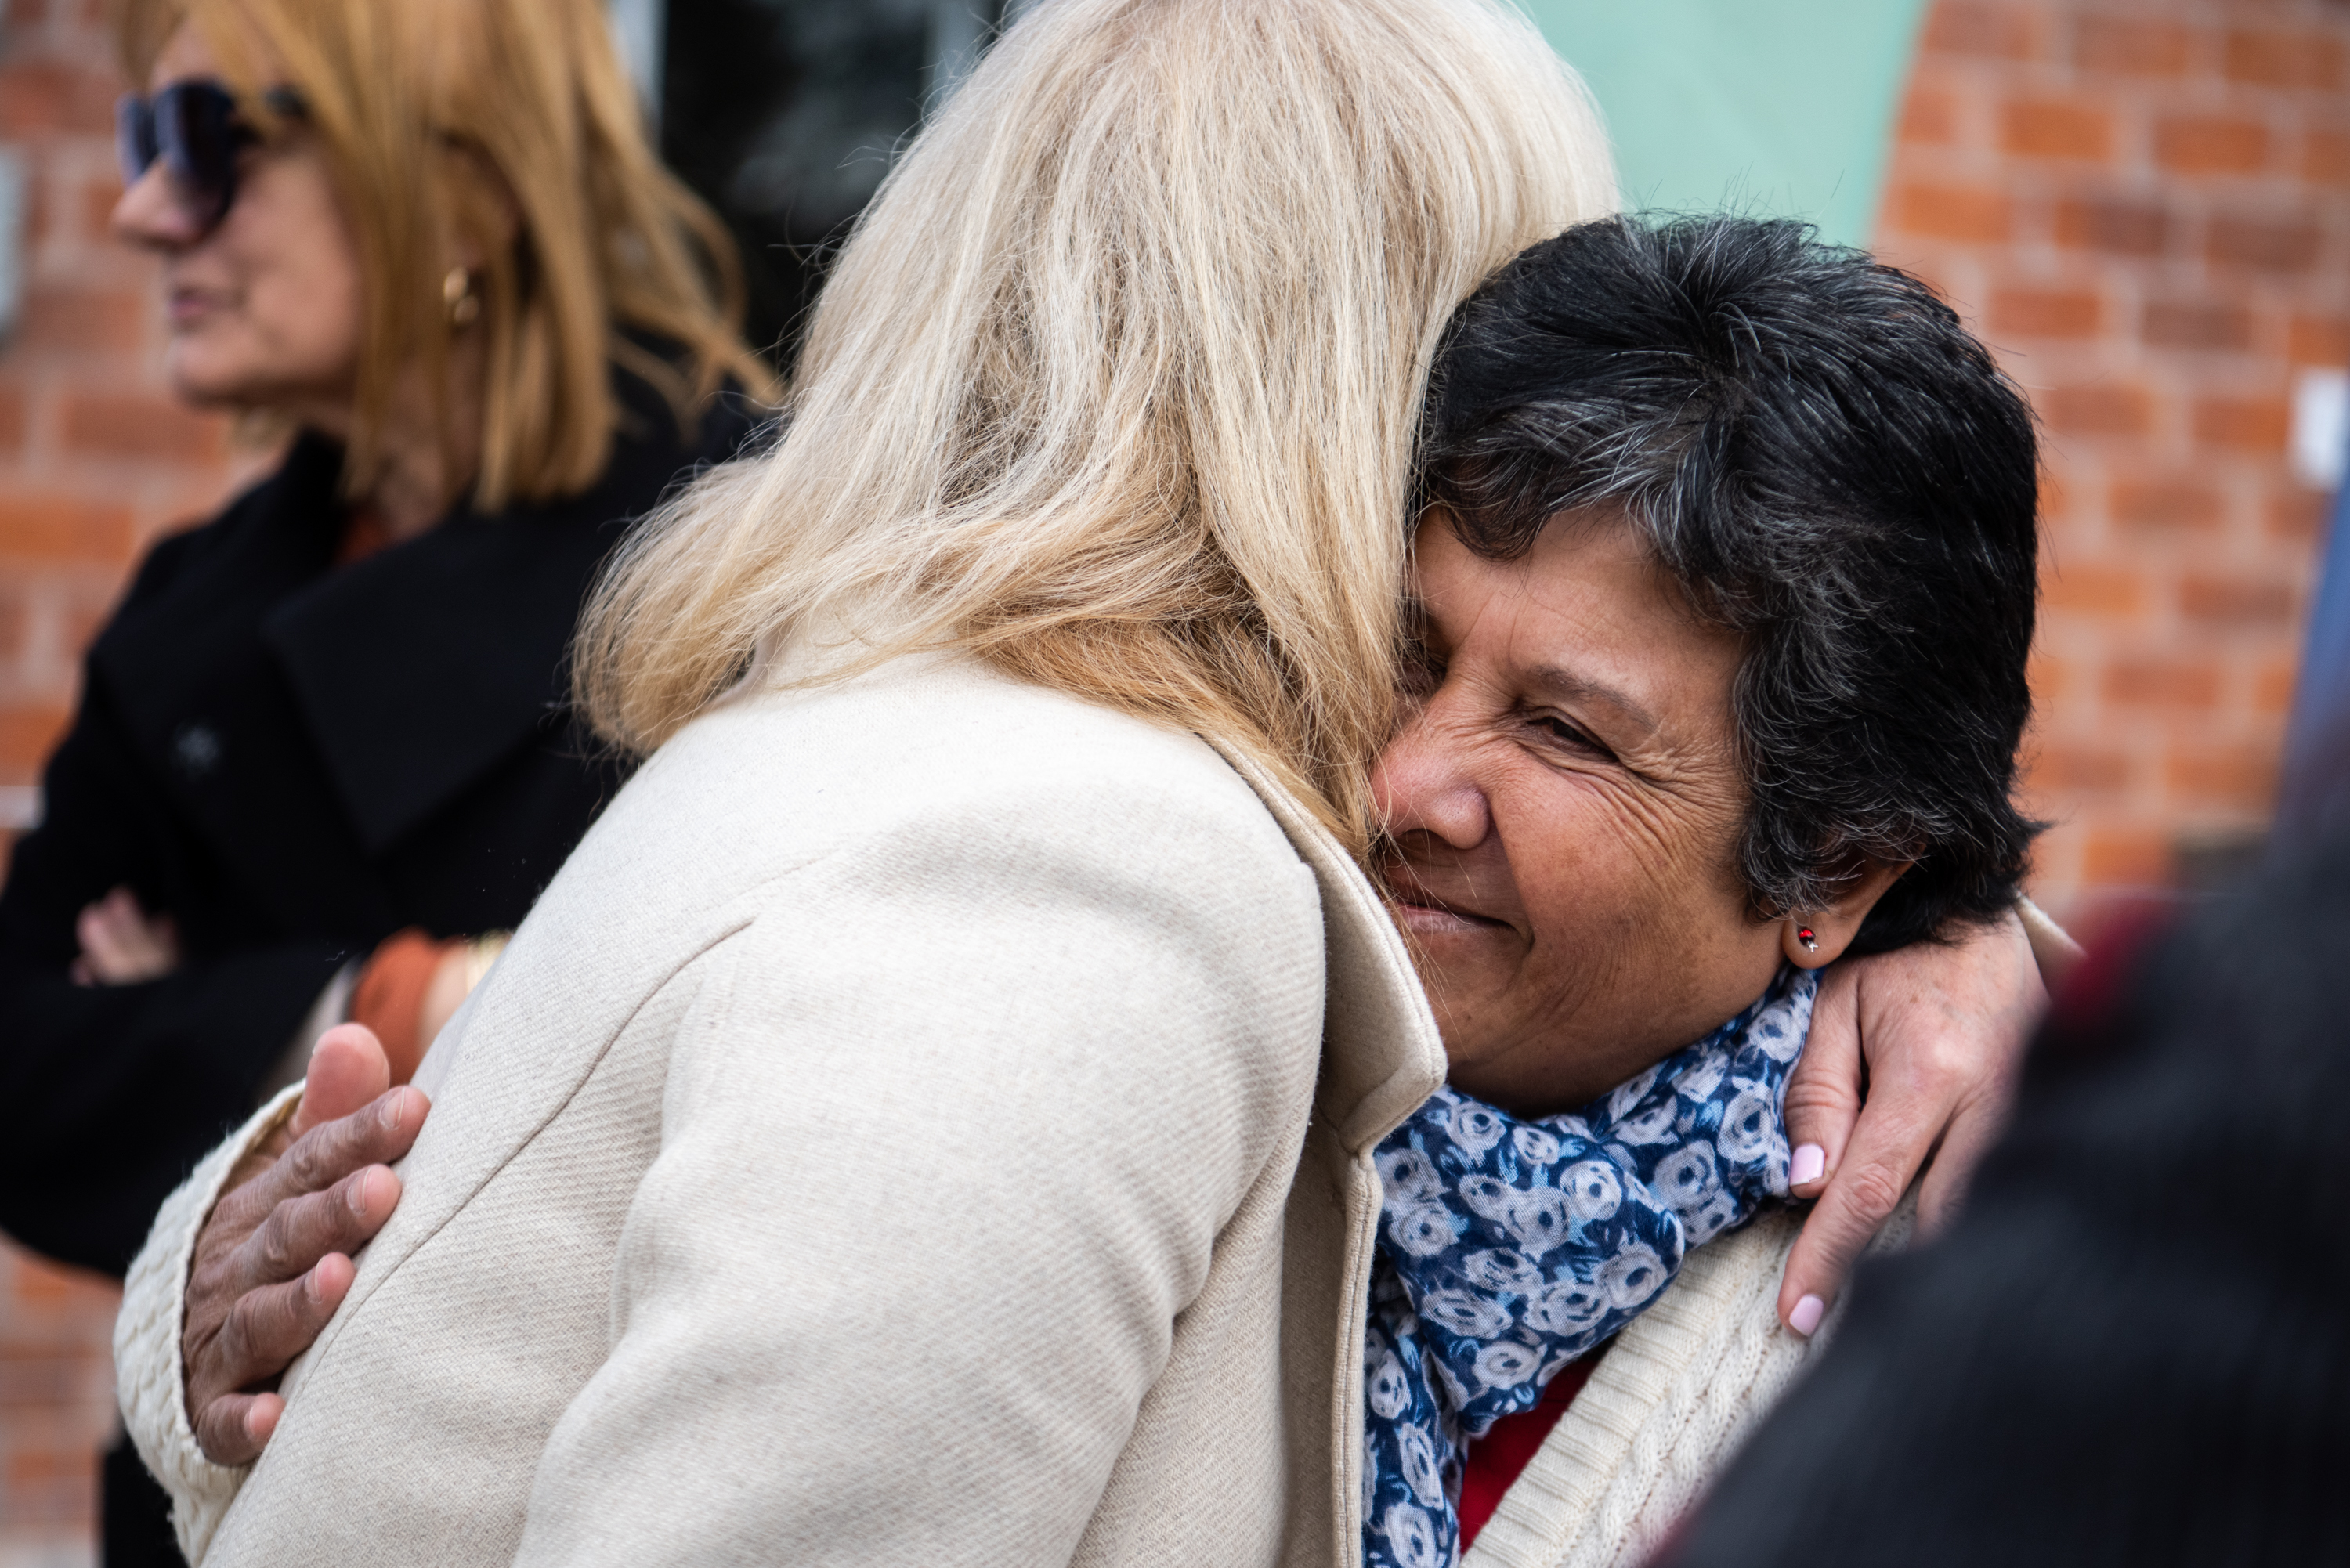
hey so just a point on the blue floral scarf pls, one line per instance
(1508, 1247)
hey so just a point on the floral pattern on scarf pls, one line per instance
(1508, 1247)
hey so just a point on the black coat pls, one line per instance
(293, 760)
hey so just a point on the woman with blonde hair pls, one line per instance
(322, 752)
(883, 1141)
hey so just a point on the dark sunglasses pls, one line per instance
(195, 129)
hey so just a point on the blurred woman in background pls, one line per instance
(323, 753)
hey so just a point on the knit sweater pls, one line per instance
(1669, 1402)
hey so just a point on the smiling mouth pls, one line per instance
(186, 303)
(1419, 910)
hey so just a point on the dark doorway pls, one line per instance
(784, 114)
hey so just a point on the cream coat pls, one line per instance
(877, 1146)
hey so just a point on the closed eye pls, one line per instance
(1563, 734)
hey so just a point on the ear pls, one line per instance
(486, 216)
(1831, 930)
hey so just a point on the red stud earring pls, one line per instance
(1803, 935)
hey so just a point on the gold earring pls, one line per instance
(457, 293)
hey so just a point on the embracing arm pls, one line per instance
(1913, 1057)
(947, 1143)
(247, 1261)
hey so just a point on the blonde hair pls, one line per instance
(512, 124)
(1115, 384)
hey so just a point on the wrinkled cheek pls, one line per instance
(1468, 980)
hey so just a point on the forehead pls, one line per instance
(185, 55)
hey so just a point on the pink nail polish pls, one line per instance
(1806, 1319)
(1805, 1165)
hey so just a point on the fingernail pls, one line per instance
(356, 1197)
(392, 1106)
(1806, 1319)
(1809, 1161)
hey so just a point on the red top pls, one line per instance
(1500, 1456)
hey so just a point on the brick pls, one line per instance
(97, 201)
(2236, 603)
(64, 527)
(1981, 31)
(115, 424)
(27, 736)
(2046, 128)
(51, 1488)
(1930, 117)
(39, 96)
(2266, 245)
(2325, 157)
(2056, 493)
(2079, 769)
(2051, 678)
(2165, 506)
(1953, 211)
(2296, 515)
(80, 619)
(2125, 856)
(2020, 312)
(2116, 225)
(2210, 327)
(14, 419)
(2125, 46)
(2210, 144)
(2261, 425)
(2081, 589)
(2161, 684)
(2318, 340)
(76, 320)
(2111, 410)
(2309, 60)
(2272, 686)
(2236, 777)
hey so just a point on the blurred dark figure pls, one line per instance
(2134, 1347)
(784, 114)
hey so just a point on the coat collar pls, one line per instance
(1381, 1054)
(419, 669)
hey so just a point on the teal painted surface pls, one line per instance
(1777, 107)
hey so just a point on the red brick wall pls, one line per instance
(94, 460)
(56, 1408)
(2144, 206)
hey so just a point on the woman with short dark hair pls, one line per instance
(1727, 577)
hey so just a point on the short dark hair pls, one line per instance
(1831, 466)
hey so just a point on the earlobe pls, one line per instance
(1814, 938)
(1799, 940)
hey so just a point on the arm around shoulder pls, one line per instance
(150, 1378)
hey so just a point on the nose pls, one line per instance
(1424, 784)
(151, 214)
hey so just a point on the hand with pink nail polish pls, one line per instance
(1909, 1067)
(274, 1260)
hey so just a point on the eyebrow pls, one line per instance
(1582, 688)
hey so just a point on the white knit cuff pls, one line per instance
(148, 1376)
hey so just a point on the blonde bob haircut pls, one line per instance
(1115, 383)
(507, 127)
